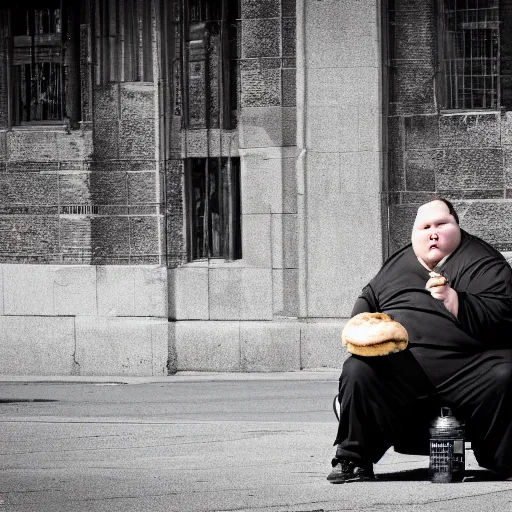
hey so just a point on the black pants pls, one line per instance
(389, 401)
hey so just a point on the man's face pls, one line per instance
(435, 233)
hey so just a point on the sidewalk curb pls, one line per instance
(327, 375)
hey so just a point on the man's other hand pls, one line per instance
(445, 293)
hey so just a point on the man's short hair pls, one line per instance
(450, 207)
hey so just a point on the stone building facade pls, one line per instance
(208, 184)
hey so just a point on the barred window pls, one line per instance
(37, 82)
(211, 63)
(43, 50)
(470, 54)
(213, 208)
(124, 34)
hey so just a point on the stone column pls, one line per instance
(340, 169)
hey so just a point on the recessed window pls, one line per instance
(213, 208)
(470, 54)
(124, 49)
(38, 81)
(211, 63)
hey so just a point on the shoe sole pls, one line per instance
(348, 480)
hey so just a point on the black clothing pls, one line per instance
(464, 362)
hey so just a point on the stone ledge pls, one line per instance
(258, 346)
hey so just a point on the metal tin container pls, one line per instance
(447, 457)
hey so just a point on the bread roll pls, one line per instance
(435, 280)
(374, 334)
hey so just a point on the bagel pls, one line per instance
(435, 280)
(374, 334)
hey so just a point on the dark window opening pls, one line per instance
(470, 54)
(124, 35)
(211, 62)
(213, 192)
(38, 81)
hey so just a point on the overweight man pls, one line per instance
(459, 353)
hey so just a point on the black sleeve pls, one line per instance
(485, 307)
(366, 302)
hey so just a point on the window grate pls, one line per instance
(38, 87)
(211, 63)
(214, 208)
(470, 54)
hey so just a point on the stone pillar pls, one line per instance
(340, 169)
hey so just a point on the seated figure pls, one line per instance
(459, 353)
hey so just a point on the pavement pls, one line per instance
(202, 442)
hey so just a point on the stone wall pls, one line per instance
(463, 156)
(83, 320)
(89, 194)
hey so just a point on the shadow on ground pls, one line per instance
(422, 474)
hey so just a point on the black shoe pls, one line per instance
(348, 471)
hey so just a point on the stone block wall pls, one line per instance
(126, 177)
(242, 315)
(463, 156)
(310, 151)
(83, 320)
(44, 190)
(92, 194)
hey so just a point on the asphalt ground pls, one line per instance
(201, 442)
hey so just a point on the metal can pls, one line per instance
(447, 455)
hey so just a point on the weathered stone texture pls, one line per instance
(28, 188)
(29, 239)
(401, 217)
(39, 145)
(137, 138)
(507, 161)
(485, 219)
(111, 240)
(412, 88)
(421, 132)
(414, 34)
(3, 147)
(469, 131)
(260, 9)
(288, 37)
(396, 171)
(144, 236)
(420, 169)
(3, 82)
(453, 195)
(109, 188)
(261, 82)
(288, 78)
(106, 139)
(416, 198)
(141, 187)
(261, 38)
(472, 169)
(174, 213)
(85, 75)
(74, 188)
(106, 122)
(506, 128)
(288, 7)
(75, 240)
(137, 101)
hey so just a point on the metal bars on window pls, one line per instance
(211, 63)
(124, 33)
(470, 54)
(213, 201)
(37, 67)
